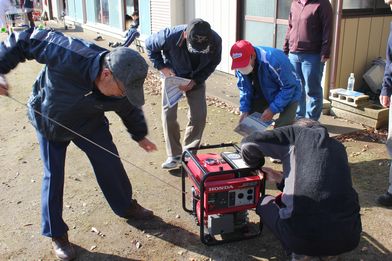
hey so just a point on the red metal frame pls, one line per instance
(216, 178)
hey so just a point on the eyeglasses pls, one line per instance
(119, 86)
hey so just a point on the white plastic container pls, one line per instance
(351, 82)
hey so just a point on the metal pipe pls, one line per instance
(335, 47)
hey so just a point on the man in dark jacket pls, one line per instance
(80, 81)
(190, 51)
(318, 212)
(308, 44)
(385, 100)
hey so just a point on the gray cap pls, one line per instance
(130, 68)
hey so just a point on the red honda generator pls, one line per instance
(223, 189)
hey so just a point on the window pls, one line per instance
(365, 7)
(130, 6)
(265, 21)
(102, 11)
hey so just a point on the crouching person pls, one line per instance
(317, 215)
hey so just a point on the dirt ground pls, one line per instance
(172, 234)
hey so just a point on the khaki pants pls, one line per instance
(197, 114)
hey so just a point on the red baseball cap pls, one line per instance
(240, 53)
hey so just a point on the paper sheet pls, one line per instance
(252, 123)
(171, 92)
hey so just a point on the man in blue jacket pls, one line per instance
(79, 83)
(267, 82)
(385, 100)
(190, 51)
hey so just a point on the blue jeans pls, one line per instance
(131, 35)
(309, 69)
(108, 169)
(389, 147)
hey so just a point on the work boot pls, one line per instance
(137, 212)
(63, 248)
(171, 162)
(385, 200)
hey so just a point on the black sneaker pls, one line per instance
(137, 212)
(116, 44)
(98, 38)
(385, 200)
(63, 248)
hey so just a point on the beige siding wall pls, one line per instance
(221, 14)
(361, 41)
(160, 15)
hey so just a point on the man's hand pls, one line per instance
(187, 87)
(147, 145)
(272, 175)
(267, 115)
(3, 86)
(243, 115)
(385, 101)
(324, 59)
(167, 72)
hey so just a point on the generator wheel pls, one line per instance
(208, 238)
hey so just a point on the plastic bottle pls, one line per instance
(351, 82)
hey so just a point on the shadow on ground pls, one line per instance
(84, 254)
(370, 179)
(369, 249)
(264, 246)
(339, 129)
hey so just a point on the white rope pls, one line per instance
(99, 146)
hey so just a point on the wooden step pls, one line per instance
(370, 110)
(367, 121)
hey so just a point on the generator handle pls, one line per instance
(183, 173)
(209, 146)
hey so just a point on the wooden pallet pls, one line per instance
(352, 98)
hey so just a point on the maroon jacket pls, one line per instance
(310, 27)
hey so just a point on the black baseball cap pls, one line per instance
(199, 34)
(130, 68)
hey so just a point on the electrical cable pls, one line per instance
(99, 146)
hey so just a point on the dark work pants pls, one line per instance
(108, 169)
(132, 34)
(269, 213)
(268, 210)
